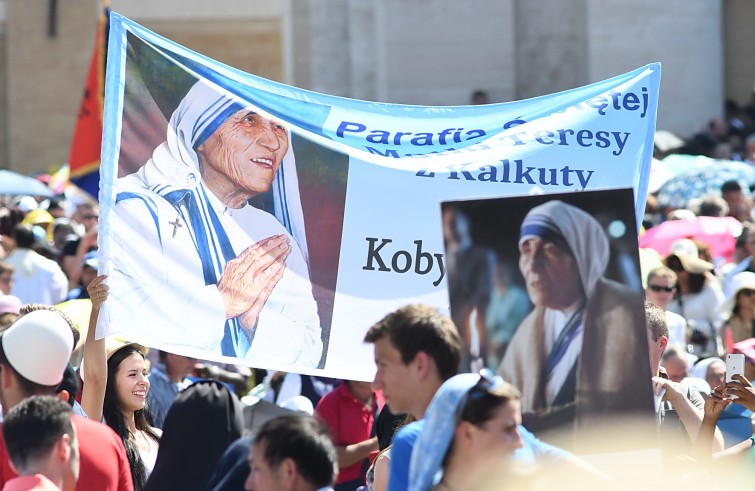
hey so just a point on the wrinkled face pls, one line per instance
(246, 150)
(550, 273)
(499, 436)
(262, 477)
(660, 291)
(131, 383)
(393, 376)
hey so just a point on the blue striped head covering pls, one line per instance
(199, 114)
(567, 225)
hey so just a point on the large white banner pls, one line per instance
(247, 221)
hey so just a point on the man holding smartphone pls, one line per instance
(679, 406)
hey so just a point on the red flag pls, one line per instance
(84, 159)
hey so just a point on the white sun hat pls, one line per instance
(38, 346)
(741, 281)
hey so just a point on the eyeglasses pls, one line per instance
(747, 292)
(659, 288)
(90, 217)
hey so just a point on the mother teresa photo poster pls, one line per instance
(208, 186)
(546, 291)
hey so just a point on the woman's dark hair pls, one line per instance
(481, 404)
(113, 414)
(695, 281)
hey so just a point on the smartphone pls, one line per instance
(735, 365)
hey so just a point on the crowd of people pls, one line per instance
(133, 418)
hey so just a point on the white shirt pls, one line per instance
(677, 330)
(36, 278)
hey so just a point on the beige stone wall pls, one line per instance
(739, 53)
(44, 80)
(684, 35)
(3, 106)
(253, 46)
(438, 51)
(551, 41)
(432, 52)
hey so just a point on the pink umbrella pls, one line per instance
(718, 232)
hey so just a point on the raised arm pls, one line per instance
(689, 412)
(95, 355)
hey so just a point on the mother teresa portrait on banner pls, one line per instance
(193, 263)
(575, 356)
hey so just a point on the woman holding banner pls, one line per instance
(214, 275)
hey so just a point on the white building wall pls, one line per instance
(684, 35)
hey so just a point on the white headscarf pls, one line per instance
(556, 220)
(175, 163)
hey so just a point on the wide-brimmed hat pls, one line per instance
(691, 264)
(112, 346)
(741, 281)
(38, 346)
(686, 251)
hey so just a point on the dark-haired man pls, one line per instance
(740, 206)
(416, 350)
(292, 453)
(42, 445)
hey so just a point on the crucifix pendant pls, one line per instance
(175, 224)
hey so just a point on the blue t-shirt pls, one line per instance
(401, 455)
(533, 451)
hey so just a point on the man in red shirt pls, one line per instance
(34, 353)
(349, 410)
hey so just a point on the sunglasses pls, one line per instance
(488, 381)
(659, 288)
(747, 292)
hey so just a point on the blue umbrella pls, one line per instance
(13, 183)
(681, 163)
(698, 183)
